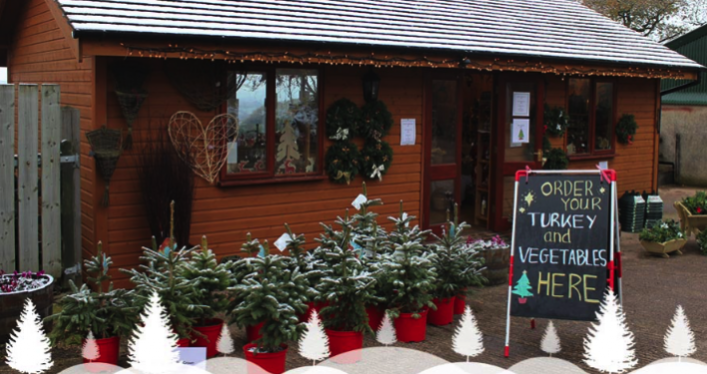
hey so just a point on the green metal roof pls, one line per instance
(692, 45)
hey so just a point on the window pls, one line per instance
(592, 117)
(278, 136)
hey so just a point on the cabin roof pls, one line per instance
(559, 29)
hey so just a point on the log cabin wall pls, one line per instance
(40, 53)
(226, 214)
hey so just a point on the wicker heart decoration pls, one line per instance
(204, 149)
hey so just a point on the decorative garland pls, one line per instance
(626, 129)
(556, 120)
(376, 158)
(343, 119)
(342, 161)
(377, 120)
(556, 159)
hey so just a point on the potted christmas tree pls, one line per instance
(307, 264)
(210, 281)
(104, 313)
(162, 274)
(348, 288)
(274, 294)
(461, 270)
(409, 279)
(242, 268)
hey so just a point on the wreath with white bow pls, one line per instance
(376, 158)
(342, 162)
(343, 120)
(556, 120)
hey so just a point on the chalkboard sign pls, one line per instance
(561, 253)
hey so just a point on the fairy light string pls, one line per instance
(383, 60)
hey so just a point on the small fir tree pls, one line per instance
(153, 347)
(386, 332)
(225, 341)
(314, 344)
(306, 263)
(89, 351)
(28, 350)
(679, 340)
(468, 340)
(99, 310)
(609, 346)
(550, 343)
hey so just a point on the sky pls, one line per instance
(3, 75)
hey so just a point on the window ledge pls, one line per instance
(591, 157)
(270, 180)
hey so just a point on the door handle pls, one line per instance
(539, 155)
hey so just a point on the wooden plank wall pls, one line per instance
(40, 54)
(225, 215)
(7, 185)
(51, 198)
(27, 181)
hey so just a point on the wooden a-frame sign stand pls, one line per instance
(566, 237)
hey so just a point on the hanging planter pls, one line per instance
(106, 149)
(273, 363)
(130, 104)
(411, 327)
(626, 129)
(444, 314)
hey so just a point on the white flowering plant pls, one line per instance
(662, 232)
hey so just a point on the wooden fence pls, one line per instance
(31, 185)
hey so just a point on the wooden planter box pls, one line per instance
(497, 262)
(664, 248)
(690, 223)
(12, 304)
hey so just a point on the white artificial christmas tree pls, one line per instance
(225, 342)
(28, 350)
(314, 344)
(610, 347)
(679, 340)
(551, 342)
(90, 348)
(386, 332)
(153, 348)
(468, 340)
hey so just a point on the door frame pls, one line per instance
(445, 171)
(503, 169)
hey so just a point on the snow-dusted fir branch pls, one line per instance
(609, 347)
(468, 340)
(386, 332)
(89, 350)
(28, 350)
(153, 348)
(225, 341)
(314, 344)
(551, 342)
(679, 340)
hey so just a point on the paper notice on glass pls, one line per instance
(521, 104)
(407, 131)
(520, 131)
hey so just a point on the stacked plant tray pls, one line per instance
(654, 209)
(632, 212)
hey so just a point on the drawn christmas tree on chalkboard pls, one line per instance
(523, 288)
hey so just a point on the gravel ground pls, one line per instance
(653, 287)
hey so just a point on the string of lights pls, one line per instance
(383, 60)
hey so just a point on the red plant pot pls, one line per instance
(522, 300)
(375, 316)
(444, 314)
(341, 342)
(460, 303)
(273, 363)
(305, 317)
(207, 336)
(409, 329)
(108, 351)
(184, 343)
(253, 332)
(319, 306)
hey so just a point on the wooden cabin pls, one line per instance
(459, 77)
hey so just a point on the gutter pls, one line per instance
(683, 86)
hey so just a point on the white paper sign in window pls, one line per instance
(521, 131)
(521, 104)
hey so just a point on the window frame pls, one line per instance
(594, 153)
(268, 176)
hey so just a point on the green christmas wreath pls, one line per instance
(626, 129)
(343, 119)
(342, 162)
(377, 120)
(556, 159)
(376, 158)
(556, 120)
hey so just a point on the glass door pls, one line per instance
(442, 150)
(520, 132)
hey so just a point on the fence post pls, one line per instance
(27, 183)
(70, 196)
(51, 164)
(7, 177)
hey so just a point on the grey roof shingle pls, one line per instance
(530, 28)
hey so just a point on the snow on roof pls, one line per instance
(529, 28)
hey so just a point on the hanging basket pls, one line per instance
(106, 148)
(130, 104)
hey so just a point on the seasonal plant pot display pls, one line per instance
(461, 269)
(497, 255)
(96, 319)
(626, 129)
(692, 211)
(15, 288)
(663, 238)
(702, 241)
